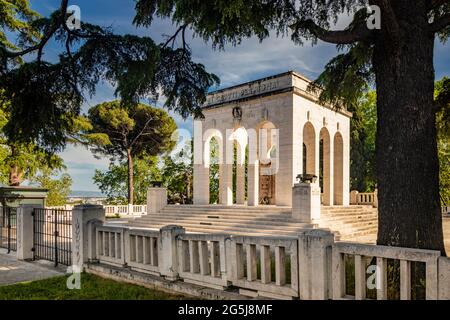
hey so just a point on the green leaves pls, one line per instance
(345, 78)
(117, 129)
(113, 182)
(58, 186)
(46, 97)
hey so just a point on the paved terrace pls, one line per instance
(13, 271)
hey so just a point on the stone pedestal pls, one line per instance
(25, 231)
(82, 218)
(156, 199)
(306, 202)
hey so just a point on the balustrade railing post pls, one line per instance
(315, 264)
(167, 251)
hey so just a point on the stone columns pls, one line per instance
(306, 202)
(226, 170)
(82, 217)
(201, 172)
(25, 231)
(314, 264)
(168, 263)
(253, 184)
(156, 199)
(201, 184)
(346, 167)
(327, 171)
(240, 184)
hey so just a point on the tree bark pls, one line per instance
(15, 173)
(15, 176)
(130, 177)
(406, 158)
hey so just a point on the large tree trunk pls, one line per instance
(406, 162)
(130, 177)
(15, 173)
(15, 176)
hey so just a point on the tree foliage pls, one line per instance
(46, 96)
(177, 175)
(442, 98)
(129, 133)
(362, 141)
(58, 185)
(140, 129)
(21, 161)
(113, 182)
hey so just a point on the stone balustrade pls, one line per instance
(203, 259)
(364, 198)
(248, 255)
(311, 266)
(126, 210)
(122, 210)
(362, 254)
(110, 245)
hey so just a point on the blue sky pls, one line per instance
(249, 61)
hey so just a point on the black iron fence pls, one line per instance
(52, 230)
(8, 228)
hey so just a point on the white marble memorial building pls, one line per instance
(302, 137)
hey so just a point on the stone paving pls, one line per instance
(13, 271)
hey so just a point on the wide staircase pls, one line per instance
(238, 220)
(353, 223)
(356, 223)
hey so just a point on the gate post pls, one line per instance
(81, 216)
(25, 233)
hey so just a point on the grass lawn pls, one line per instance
(92, 288)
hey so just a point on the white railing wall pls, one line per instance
(121, 210)
(247, 252)
(311, 266)
(362, 253)
(202, 259)
(364, 198)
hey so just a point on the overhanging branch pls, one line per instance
(440, 23)
(47, 36)
(357, 33)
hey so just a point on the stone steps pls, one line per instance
(274, 217)
(349, 223)
(225, 216)
(229, 222)
(222, 229)
(358, 223)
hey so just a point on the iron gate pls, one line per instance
(8, 228)
(52, 229)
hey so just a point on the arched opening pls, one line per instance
(309, 149)
(213, 160)
(268, 154)
(239, 140)
(214, 171)
(324, 166)
(338, 175)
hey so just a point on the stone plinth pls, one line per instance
(156, 199)
(82, 218)
(306, 202)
